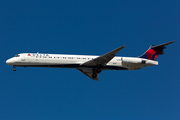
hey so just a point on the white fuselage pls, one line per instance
(76, 61)
(89, 65)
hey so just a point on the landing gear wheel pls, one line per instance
(14, 68)
(98, 70)
(94, 75)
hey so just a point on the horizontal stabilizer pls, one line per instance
(162, 45)
(154, 51)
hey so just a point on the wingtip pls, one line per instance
(123, 46)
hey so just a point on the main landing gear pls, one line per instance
(14, 69)
(94, 75)
(96, 72)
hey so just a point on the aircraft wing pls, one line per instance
(88, 72)
(101, 61)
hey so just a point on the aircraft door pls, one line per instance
(36, 58)
(22, 58)
(114, 61)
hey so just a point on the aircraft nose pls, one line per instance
(9, 61)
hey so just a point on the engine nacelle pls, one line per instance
(133, 61)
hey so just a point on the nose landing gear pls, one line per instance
(14, 69)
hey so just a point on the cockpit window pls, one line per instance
(17, 55)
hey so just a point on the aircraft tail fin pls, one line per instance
(154, 51)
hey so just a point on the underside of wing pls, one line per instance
(89, 72)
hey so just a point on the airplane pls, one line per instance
(89, 65)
